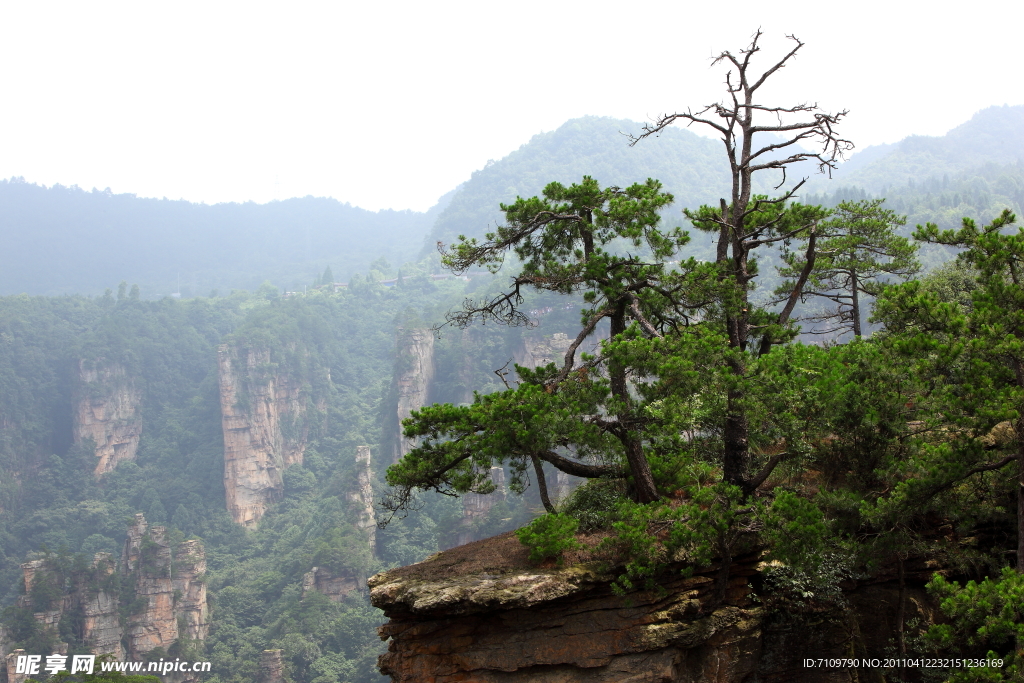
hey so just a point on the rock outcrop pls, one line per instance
(481, 613)
(175, 598)
(263, 415)
(534, 352)
(476, 506)
(361, 496)
(414, 373)
(101, 626)
(105, 410)
(271, 667)
(337, 588)
(164, 593)
(12, 667)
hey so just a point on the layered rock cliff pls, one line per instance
(263, 416)
(172, 587)
(481, 613)
(361, 496)
(271, 669)
(475, 508)
(413, 376)
(105, 410)
(164, 594)
(337, 588)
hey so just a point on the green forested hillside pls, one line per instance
(690, 167)
(339, 347)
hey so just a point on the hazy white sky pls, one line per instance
(389, 105)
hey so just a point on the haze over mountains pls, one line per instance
(61, 240)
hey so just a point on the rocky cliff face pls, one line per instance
(271, 669)
(414, 373)
(480, 613)
(175, 596)
(105, 409)
(263, 415)
(475, 508)
(337, 588)
(362, 496)
(165, 595)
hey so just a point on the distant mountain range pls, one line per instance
(992, 136)
(65, 240)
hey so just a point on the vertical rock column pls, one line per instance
(475, 507)
(172, 598)
(362, 496)
(12, 667)
(413, 374)
(271, 667)
(101, 628)
(105, 409)
(156, 625)
(253, 406)
(189, 583)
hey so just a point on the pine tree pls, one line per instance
(857, 249)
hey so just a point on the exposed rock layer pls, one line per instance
(106, 410)
(271, 668)
(263, 415)
(176, 605)
(413, 376)
(362, 496)
(337, 588)
(508, 624)
(169, 606)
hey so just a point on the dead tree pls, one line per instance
(745, 222)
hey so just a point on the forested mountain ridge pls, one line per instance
(64, 240)
(687, 164)
(992, 136)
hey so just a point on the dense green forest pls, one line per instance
(917, 411)
(341, 344)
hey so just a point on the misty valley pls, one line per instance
(607, 412)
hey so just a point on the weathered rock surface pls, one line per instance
(189, 582)
(478, 613)
(476, 506)
(101, 627)
(263, 415)
(362, 495)
(171, 598)
(536, 352)
(106, 410)
(413, 376)
(11, 663)
(271, 668)
(337, 588)
(169, 605)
